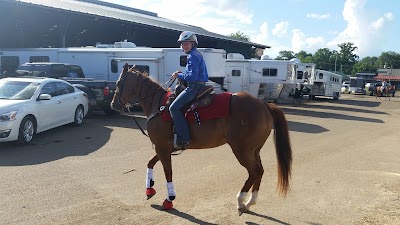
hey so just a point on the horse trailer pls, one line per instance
(105, 62)
(268, 80)
(325, 83)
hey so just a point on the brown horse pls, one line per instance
(245, 129)
(389, 90)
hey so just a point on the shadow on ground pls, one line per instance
(63, 141)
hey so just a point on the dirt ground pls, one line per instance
(346, 170)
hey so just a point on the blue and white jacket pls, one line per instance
(196, 70)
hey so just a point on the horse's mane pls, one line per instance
(149, 87)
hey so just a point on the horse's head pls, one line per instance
(126, 86)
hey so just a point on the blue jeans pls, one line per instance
(181, 126)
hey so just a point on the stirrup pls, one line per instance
(179, 145)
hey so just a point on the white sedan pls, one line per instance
(32, 105)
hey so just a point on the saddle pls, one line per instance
(202, 99)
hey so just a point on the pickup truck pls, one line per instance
(100, 92)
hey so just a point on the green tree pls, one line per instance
(346, 57)
(287, 55)
(367, 64)
(239, 35)
(304, 57)
(325, 59)
(388, 59)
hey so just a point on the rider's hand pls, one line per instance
(175, 74)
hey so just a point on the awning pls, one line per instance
(387, 77)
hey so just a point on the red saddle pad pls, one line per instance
(217, 109)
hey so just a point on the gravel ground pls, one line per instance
(346, 170)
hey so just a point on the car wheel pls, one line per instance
(79, 114)
(26, 130)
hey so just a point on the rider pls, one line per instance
(196, 75)
(384, 84)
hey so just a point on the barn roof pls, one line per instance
(387, 77)
(118, 12)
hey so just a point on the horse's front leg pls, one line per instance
(150, 192)
(165, 157)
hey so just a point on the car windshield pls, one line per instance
(17, 90)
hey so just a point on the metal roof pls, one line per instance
(387, 77)
(110, 10)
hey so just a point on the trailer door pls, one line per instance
(235, 79)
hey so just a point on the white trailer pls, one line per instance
(105, 62)
(325, 83)
(268, 80)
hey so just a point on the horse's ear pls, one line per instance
(126, 67)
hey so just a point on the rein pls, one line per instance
(128, 105)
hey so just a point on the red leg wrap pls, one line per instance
(167, 205)
(150, 192)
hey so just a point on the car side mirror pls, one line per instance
(44, 97)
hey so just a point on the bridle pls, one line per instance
(121, 85)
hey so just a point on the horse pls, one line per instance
(246, 129)
(387, 91)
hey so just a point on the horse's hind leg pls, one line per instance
(150, 192)
(246, 158)
(256, 186)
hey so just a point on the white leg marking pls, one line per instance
(240, 199)
(149, 177)
(252, 200)
(170, 191)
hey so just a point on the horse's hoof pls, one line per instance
(241, 211)
(150, 192)
(167, 205)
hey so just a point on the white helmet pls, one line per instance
(188, 36)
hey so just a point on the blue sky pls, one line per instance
(294, 25)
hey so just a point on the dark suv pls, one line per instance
(55, 70)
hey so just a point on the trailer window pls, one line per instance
(183, 60)
(114, 66)
(299, 74)
(235, 73)
(268, 72)
(320, 76)
(39, 59)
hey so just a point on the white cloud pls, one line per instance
(261, 36)
(318, 16)
(301, 42)
(280, 29)
(223, 17)
(367, 34)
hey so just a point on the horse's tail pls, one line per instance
(283, 148)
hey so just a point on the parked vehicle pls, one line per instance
(344, 89)
(265, 79)
(357, 85)
(326, 84)
(32, 105)
(105, 62)
(100, 92)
